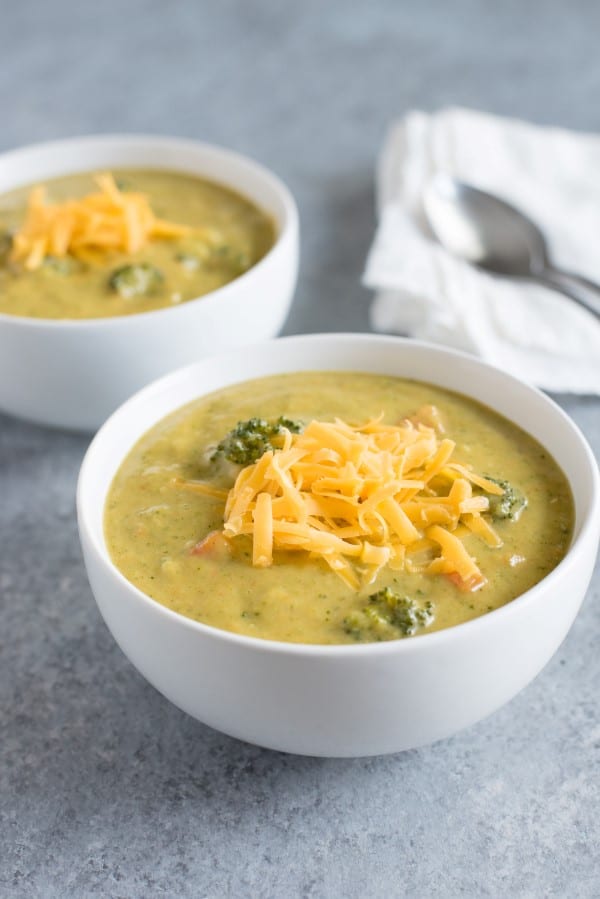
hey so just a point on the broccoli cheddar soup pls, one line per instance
(97, 245)
(336, 507)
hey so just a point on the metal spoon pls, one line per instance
(486, 231)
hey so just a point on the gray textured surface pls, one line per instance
(105, 788)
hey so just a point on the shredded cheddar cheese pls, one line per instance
(109, 220)
(364, 497)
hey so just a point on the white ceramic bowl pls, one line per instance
(73, 374)
(343, 700)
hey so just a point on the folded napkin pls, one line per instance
(553, 176)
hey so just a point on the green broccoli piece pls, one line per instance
(250, 439)
(189, 261)
(509, 505)
(136, 280)
(65, 265)
(388, 616)
(296, 427)
(237, 261)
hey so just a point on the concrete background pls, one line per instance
(105, 788)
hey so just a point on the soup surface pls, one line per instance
(228, 234)
(154, 524)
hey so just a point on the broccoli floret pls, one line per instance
(388, 616)
(65, 265)
(139, 280)
(189, 261)
(289, 424)
(237, 261)
(509, 505)
(250, 439)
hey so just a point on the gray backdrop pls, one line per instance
(105, 788)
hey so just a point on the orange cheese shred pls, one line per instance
(107, 221)
(363, 497)
(262, 546)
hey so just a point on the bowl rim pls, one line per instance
(243, 641)
(288, 225)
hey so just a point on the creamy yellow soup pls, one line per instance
(152, 525)
(233, 235)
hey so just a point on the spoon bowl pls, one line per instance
(487, 232)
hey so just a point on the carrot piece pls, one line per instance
(214, 546)
(470, 585)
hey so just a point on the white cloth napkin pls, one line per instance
(551, 174)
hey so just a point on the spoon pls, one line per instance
(489, 233)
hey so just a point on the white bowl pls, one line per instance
(74, 373)
(343, 700)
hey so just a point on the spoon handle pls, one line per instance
(578, 288)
